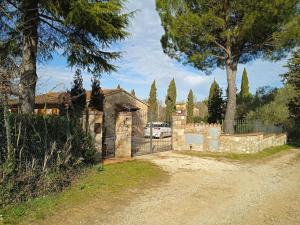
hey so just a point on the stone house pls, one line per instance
(115, 101)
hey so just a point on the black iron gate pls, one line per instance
(149, 135)
(109, 136)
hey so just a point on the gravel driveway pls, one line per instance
(210, 192)
(206, 191)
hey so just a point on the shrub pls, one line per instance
(49, 150)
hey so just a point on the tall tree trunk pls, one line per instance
(231, 69)
(28, 77)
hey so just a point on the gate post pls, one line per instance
(178, 126)
(123, 135)
(92, 123)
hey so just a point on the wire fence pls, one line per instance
(255, 126)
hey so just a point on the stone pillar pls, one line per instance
(93, 123)
(212, 137)
(178, 126)
(123, 135)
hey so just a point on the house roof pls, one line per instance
(63, 97)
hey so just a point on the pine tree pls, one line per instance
(170, 100)
(245, 93)
(215, 104)
(78, 94)
(190, 107)
(97, 97)
(153, 104)
(208, 34)
(133, 92)
(119, 86)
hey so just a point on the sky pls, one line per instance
(143, 61)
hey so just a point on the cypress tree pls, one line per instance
(292, 77)
(244, 93)
(215, 104)
(97, 97)
(153, 104)
(78, 94)
(170, 100)
(190, 107)
(133, 92)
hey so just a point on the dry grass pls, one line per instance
(240, 156)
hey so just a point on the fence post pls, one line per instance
(151, 132)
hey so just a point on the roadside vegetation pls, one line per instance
(240, 156)
(111, 186)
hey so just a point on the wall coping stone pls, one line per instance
(242, 135)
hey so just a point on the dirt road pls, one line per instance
(206, 191)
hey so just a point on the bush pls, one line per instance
(48, 152)
(2, 136)
(199, 119)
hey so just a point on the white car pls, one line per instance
(159, 130)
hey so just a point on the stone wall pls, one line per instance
(93, 123)
(208, 137)
(123, 135)
(250, 143)
(196, 137)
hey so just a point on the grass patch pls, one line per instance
(240, 156)
(109, 186)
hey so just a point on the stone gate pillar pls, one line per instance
(93, 123)
(123, 135)
(178, 126)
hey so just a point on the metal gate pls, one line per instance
(108, 136)
(149, 135)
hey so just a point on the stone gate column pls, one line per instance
(178, 126)
(123, 135)
(93, 123)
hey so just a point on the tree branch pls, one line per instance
(221, 46)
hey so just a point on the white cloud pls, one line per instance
(143, 58)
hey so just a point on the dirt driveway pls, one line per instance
(207, 191)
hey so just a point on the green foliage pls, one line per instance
(244, 93)
(46, 157)
(170, 100)
(244, 98)
(132, 92)
(190, 107)
(198, 119)
(208, 34)
(97, 97)
(152, 101)
(215, 104)
(82, 30)
(78, 95)
(276, 111)
(292, 78)
(115, 181)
